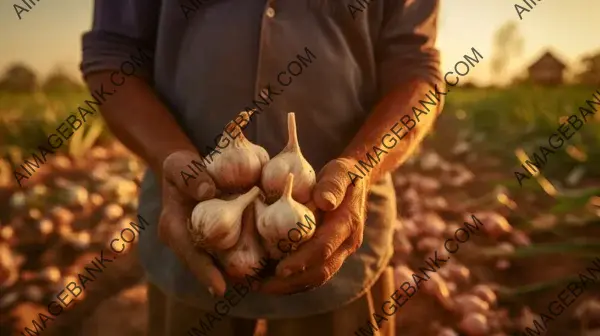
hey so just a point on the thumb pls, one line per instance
(181, 169)
(332, 183)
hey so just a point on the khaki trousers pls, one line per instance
(169, 317)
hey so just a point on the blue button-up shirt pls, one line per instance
(329, 61)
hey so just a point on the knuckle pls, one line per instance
(326, 250)
(349, 223)
(204, 177)
(350, 227)
(357, 244)
(344, 163)
(330, 184)
(355, 220)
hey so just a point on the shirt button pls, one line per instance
(270, 12)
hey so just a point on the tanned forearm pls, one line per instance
(140, 120)
(385, 117)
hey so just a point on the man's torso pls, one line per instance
(213, 64)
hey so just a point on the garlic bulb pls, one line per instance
(285, 224)
(475, 324)
(239, 164)
(247, 255)
(289, 160)
(262, 154)
(469, 303)
(216, 224)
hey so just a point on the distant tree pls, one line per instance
(468, 85)
(18, 78)
(60, 82)
(521, 80)
(591, 74)
(508, 43)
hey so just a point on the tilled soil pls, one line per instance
(70, 210)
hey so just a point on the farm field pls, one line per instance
(534, 241)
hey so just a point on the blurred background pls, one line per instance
(535, 72)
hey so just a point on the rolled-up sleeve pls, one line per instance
(406, 47)
(121, 29)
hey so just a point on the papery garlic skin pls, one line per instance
(261, 153)
(216, 224)
(247, 255)
(289, 160)
(240, 163)
(259, 208)
(279, 223)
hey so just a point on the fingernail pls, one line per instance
(203, 190)
(212, 292)
(330, 198)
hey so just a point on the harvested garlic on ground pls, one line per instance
(247, 255)
(239, 164)
(285, 224)
(215, 225)
(289, 160)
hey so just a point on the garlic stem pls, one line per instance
(292, 133)
(289, 186)
(230, 130)
(240, 138)
(246, 114)
(248, 197)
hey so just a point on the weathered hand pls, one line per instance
(178, 201)
(340, 234)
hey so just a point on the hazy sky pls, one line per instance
(49, 34)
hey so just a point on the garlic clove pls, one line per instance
(239, 164)
(474, 324)
(285, 224)
(289, 160)
(486, 293)
(259, 208)
(469, 303)
(439, 288)
(216, 224)
(247, 256)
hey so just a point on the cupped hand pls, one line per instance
(178, 201)
(339, 235)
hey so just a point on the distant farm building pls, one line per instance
(548, 70)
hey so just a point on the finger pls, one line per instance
(175, 234)
(359, 196)
(181, 169)
(329, 236)
(313, 277)
(331, 185)
(336, 228)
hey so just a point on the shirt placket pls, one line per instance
(262, 69)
